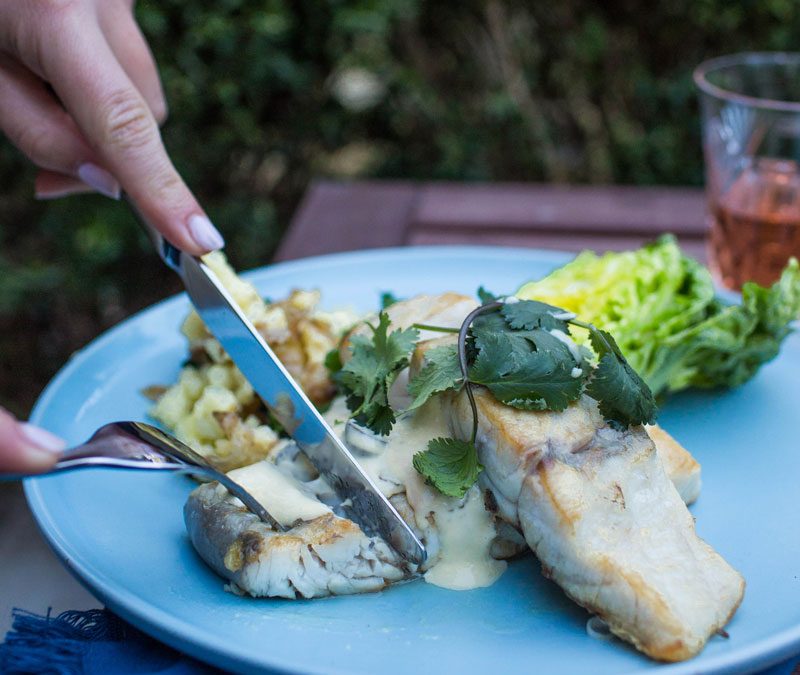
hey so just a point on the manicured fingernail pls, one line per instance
(100, 180)
(204, 233)
(41, 439)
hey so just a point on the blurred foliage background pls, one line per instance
(266, 94)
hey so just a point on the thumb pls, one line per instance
(26, 448)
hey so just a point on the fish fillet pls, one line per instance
(327, 555)
(683, 469)
(601, 514)
(324, 554)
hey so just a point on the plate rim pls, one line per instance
(179, 634)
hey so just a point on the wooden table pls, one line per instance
(349, 216)
(346, 216)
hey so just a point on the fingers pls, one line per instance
(134, 55)
(25, 448)
(38, 125)
(52, 185)
(32, 119)
(117, 122)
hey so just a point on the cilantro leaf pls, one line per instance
(546, 341)
(333, 361)
(380, 419)
(394, 346)
(486, 296)
(486, 325)
(440, 373)
(531, 324)
(375, 364)
(525, 378)
(530, 314)
(451, 466)
(604, 343)
(623, 397)
(388, 299)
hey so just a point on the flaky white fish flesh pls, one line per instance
(328, 555)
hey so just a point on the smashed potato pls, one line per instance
(212, 408)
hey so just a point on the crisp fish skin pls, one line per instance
(598, 509)
(328, 555)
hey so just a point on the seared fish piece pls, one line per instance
(326, 555)
(448, 311)
(683, 469)
(599, 511)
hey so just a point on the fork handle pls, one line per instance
(134, 445)
(88, 461)
(119, 445)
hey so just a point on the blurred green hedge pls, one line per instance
(265, 94)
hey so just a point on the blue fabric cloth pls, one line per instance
(790, 667)
(97, 642)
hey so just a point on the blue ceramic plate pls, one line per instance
(122, 533)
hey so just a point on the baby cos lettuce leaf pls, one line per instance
(662, 309)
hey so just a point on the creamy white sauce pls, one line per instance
(371, 457)
(363, 440)
(458, 532)
(460, 538)
(336, 415)
(282, 496)
(466, 536)
(464, 527)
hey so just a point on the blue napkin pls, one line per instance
(97, 642)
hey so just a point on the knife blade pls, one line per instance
(287, 402)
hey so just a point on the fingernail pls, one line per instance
(100, 180)
(41, 439)
(204, 233)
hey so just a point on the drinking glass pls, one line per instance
(750, 106)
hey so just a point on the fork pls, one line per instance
(135, 445)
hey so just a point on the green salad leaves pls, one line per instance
(662, 308)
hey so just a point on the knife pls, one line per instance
(285, 400)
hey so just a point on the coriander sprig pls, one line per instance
(373, 367)
(452, 465)
(624, 397)
(462, 358)
(520, 350)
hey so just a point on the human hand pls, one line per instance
(97, 124)
(25, 448)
